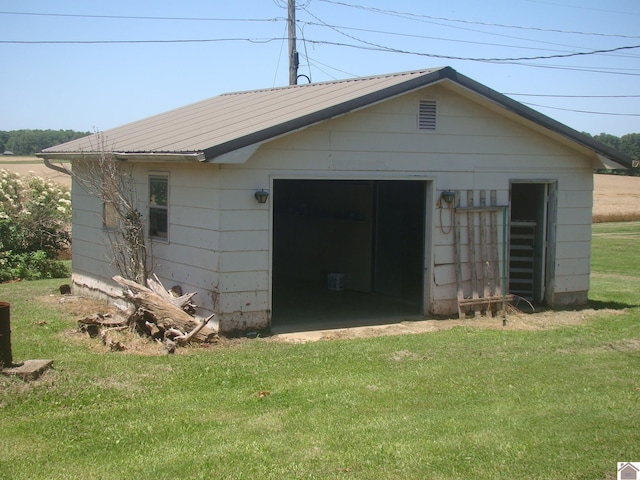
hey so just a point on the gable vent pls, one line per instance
(427, 115)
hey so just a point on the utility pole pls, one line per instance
(293, 54)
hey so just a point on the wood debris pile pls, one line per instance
(156, 312)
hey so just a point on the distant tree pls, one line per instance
(608, 139)
(630, 144)
(29, 142)
(4, 136)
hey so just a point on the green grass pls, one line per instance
(461, 403)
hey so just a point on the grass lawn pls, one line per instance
(461, 403)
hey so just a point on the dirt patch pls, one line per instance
(627, 345)
(78, 307)
(515, 321)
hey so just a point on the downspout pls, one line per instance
(57, 168)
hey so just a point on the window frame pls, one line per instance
(160, 210)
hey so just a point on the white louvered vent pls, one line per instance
(427, 115)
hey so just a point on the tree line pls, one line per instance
(628, 144)
(30, 142)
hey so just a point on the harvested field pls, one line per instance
(35, 166)
(616, 198)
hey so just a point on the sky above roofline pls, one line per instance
(241, 46)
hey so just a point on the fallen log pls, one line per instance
(181, 301)
(184, 339)
(163, 313)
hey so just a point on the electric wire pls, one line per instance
(133, 17)
(416, 17)
(450, 57)
(569, 96)
(471, 22)
(425, 37)
(284, 35)
(367, 46)
(574, 69)
(380, 48)
(583, 111)
(89, 42)
(582, 7)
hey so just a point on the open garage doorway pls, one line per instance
(347, 252)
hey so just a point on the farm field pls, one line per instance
(35, 166)
(616, 198)
(538, 399)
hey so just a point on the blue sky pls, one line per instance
(97, 86)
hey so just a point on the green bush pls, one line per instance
(35, 217)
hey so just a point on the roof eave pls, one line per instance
(157, 157)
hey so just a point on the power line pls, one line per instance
(337, 29)
(575, 69)
(91, 42)
(425, 37)
(380, 48)
(368, 46)
(470, 22)
(583, 8)
(570, 96)
(129, 17)
(584, 111)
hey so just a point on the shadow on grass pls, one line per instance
(526, 307)
(610, 305)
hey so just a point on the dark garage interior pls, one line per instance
(527, 240)
(347, 252)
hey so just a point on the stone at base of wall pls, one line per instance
(570, 299)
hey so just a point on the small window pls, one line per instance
(427, 115)
(158, 206)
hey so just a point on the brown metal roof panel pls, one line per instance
(221, 119)
(255, 111)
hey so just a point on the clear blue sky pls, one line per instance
(97, 86)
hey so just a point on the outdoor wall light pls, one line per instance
(448, 196)
(261, 196)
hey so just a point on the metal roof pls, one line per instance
(222, 124)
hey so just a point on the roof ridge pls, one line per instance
(334, 82)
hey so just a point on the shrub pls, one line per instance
(35, 216)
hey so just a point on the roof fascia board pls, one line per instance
(127, 156)
(328, 113)
(161, 157)
(540, 119)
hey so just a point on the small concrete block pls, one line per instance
(29, 370)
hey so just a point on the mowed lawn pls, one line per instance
(462, 403)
